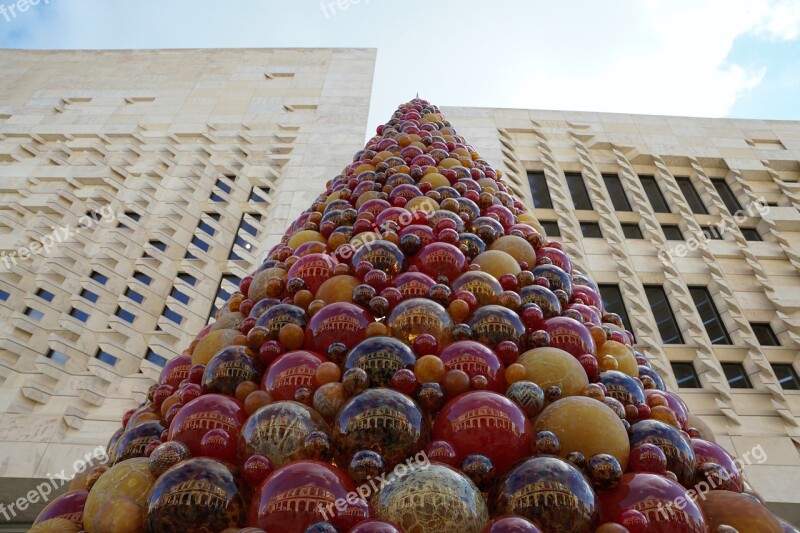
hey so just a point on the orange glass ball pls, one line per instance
(429, 369)
(497, 263)
(624, 356)
(552, 366)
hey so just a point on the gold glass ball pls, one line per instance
(553, 366)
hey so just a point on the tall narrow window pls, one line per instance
(727, 196)
(539, 190)
(577, 188)
(591, 230)
(709, 315)
(154, 358)
(551, 228)
(662, 312)
(617, 192)
(106, 357)
(692, 198)
(787, 376)
(613, 302)
(653, 192)
(632, 231)
(685, 375)
(764, 334)
(737, 377)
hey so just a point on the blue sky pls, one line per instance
(699, 57)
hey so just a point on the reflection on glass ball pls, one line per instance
(420, 316)
(213, 342)
(175, 371)
(340, 322)
(375, 526)
(313, 269)
(550, 492)
(652, 374)
(278, 431)
(437, 498)
(516, 247)
(68, 506)
(497, 263)
(680, 456)
(380, 358)
(279, 315)
(551, 366)
(738, 511)
(570, 335)
(227, 370)
(622, 387)
(511, 524)
(493, 324)
(201, 415)
(485, 287)
(475, 359)
(382, 420)
(290, 372)
(556, 276)
(196, 495)
(413, 284)
(626, 360)
(382, 255)
(440, 259)
(129, 479)
(134, 441)
(708, 452)
(543, 297)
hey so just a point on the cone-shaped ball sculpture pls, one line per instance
(416, 356)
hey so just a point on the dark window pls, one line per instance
(83, 316)
(653, 193)
(99, 278)
(727, 196)
(206, 227)
(672, 232)
(751, 234)
(539, 190)
(709, 315)
(737, 377)
(172, 315)
(106, 357)
(200, 243)
(34, 313)
(632, 231)
(89, 295)
(617, 192)
(133, 215)
(4, 295)
(577, 188)
(591, 230)
(787, 376)
(551, 228)
(258, 216)
(143, 278)
(58, 357)
(127, 316)
(223, 292)
(686, 376)
(45, 295)
(214, 216)
(692, 198)
(249, 228)
(224, 187)
(613, 303)
(178, 295)
(189, 255)
(662, 312)
(765, 335)
(259, 194)
(711, 232)
(158, 245)
(217, 198)
(186, 278)
(154, 358)
(233, 280)
(133, 295)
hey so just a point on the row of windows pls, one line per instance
(591, 230)
(737, 378)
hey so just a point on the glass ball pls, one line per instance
(380, 358)
(195, 495)
(550, 492)
(604, 471)
(302, 493)
(543, 297)
(558, 278)
(134, 441)
(622, 387)
(328, 399)
(381, 420)
(278, 432)
(313, 269)
(556, 256)
(375, 526)
(201, 415)
(120, 515)
(436, 498)
(290, 372)
(709, 452)
(440, 259)
(175, 371)
(475, 359)
(337, 289)
(69, 506)
(511, 524)
(497, 263)
(214, 342)
(413, 284)
(493, 324)
(528, 395)
(551, 366)
(586, 426)
(382, 255)
(626, 360)
(167, 455)
(419, 316)
(131, 479)
(738, 511)
(56, 525)
(516, 247)
(486, 423)
(680, 456)
(485, 287)
(340, 322)
(570, 335)
(227, 370)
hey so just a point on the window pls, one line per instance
(686, 376)
(106, 357)
(216, 198)
(551, 228)
(692, 198)
(133, 295)
(764, 334)
(4, 295)
(171, 315)
(127, 316)
(158, 245)
(709, 315)
(591, 230)
(539, 190)
(143, 278)
(240, 241)
(214, 216)
(577, 188)
(227, 286)
(787, 377)
(632, 231)
(200, 243)
(133, 215)
(45, 295)
(99, 278)
(249, 228)
(206, 227)
(83, 316)
(178, 295)
(617, 192)
(662, 312)
(154, 358)
(672, 232)
(751, 234)
(34, 313)
(613, 303)
(711, 232)
(259, 194)
(737, 377)
(653, 193)
(58, 357)
(89, 295)
(727, 196)
(224, 187)
(188, 279)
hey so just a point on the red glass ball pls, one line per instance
(198, 417)
(338, 322)
(256, 469)
(290, 372)
(313, 269)
(475, 359)
(176, 370)
(647, 458)
(570, 336)
(440, 259)
(511, 524)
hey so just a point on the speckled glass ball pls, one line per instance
(134, 441)
(604, 471)
(167, 455)
(528, 395)
(131, 479)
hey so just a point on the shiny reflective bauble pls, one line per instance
(413, 284)
(381, 420)
(622, 387)
(648, 458)
(552, 366)
(337, 289)
(493, 324)
(486, 423)
(570, 335)
(604, 471)
(328, 399)
(479, 469)
(201, 415)
(708, 452)
(550, 492)
(340, 322)
(290, 372)
(303, 493)
(375, 526)
(274, 318)
(440, 259)
(737, 511)
(213, 342)
(167, 455)
(559, 280)
(475, 359)
(131, 479)
(313, 269)
(227, 370)
(626, 360)
(419, 316)
(442, 452)
(511, 524)
(175, 371)
(586, 426)
(68, 506)
(56, 525)
(380, 358)
(543, 297)
(278, 432)
(365, 465)
(528, 395)
(484, 286)
(436, 498)
(196, 495)
(516, 247)
(497, 263)
(134, 441)
(680, 456)
(382, 255)
(663, 502)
